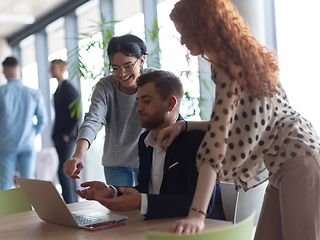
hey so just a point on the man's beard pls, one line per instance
(153, 122)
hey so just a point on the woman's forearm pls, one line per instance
(205, 185)
(81, 148)
(197, 125)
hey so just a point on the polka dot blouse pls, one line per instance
(248, 139)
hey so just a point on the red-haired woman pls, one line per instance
(253, 135)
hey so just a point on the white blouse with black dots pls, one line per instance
(248, 139)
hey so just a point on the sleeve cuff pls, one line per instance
(115, 191)
(144, 204)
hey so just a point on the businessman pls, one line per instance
(167, 180)
(66, 126)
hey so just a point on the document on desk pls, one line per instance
(50, 207)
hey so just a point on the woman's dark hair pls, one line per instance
(128, 44)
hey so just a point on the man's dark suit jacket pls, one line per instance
(179, 178)
(64, 123)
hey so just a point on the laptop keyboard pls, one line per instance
(83, 220)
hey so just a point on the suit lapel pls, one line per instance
(169, 159)
(58, 89)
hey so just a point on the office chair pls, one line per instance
(238, 205)
(229, 197)
(13, 201)
(239, 231)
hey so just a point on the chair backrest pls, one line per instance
(238, 205)
(239, 231)
(13, 201)
(47, 163)
(229, 197)
(250, 201)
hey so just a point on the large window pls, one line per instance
(88, 21)
(298, 37)
(131, 16)
(56, 48)
(28, 63)
(174, 58)
(29, 71)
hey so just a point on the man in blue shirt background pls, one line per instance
(18, 106)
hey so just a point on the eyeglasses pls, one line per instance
(125, 69)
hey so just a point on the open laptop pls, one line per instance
(50, 206)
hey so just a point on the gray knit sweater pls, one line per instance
(117, 112)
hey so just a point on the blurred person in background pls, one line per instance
(66, 126)
(18, 106)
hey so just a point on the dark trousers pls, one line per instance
(65, 151)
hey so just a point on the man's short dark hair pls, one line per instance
(10, 62)
(167, 83)
(60, 62)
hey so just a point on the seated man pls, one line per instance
(167, 180)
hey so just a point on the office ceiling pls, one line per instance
(18, 14)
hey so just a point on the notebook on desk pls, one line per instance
(50, 207)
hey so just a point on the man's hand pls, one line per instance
(66, 138)
(130, 200)
(73, 167)
(96, 190)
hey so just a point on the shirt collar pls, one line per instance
(13, 79)
(151, 140)
(60, 82)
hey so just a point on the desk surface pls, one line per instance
(27, 225)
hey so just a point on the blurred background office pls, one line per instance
(38, 31)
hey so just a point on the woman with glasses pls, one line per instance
(113, 105)
(254, 135)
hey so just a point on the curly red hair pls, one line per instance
(217, 27)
